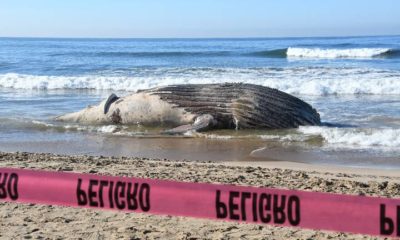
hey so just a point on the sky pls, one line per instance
(198, 18)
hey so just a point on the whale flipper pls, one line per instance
(202, 122)
(112, 98)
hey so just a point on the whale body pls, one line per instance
(199, 107)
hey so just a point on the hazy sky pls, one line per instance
(198, 18)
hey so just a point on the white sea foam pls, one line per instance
(108, 129)
(336, 53)
(353, 137)
(77, 127)
(220, 137)
(382, 138)
(44, 124)
(299, 80)
(284, 138)
(270, 137)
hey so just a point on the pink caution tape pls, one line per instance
(313, 210)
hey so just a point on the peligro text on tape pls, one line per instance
(265, 208)
(119, 194)
(313, 210)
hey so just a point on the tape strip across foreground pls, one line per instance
(313, 210)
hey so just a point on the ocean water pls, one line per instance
(354, 82)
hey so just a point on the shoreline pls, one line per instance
(54, 221)
(237, 151)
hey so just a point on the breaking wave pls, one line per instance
(276, 53)
(340, 53)
(302, 52)
(299, 80)
(353, 137)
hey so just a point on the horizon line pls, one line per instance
(251, 37)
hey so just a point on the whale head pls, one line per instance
(89, 115)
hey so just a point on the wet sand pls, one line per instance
(37, 221)
(198, 149)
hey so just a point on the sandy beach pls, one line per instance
(40, 222)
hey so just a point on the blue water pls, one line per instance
(72, 57)
(354, 82)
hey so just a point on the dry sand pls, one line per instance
(22, 221)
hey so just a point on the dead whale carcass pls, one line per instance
(199, 107)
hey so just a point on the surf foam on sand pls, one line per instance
(332, 137)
